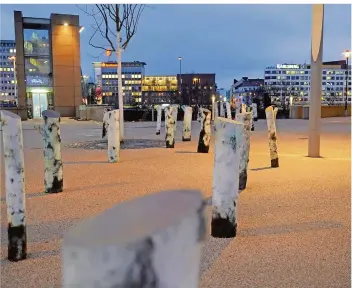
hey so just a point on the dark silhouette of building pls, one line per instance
(196, 88)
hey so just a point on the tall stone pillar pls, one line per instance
(316, 80)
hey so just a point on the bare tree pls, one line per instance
(113, 28)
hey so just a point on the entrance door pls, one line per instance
(40, 104)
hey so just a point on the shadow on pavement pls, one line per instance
(187, 152)
(289, 228)
(261, 168)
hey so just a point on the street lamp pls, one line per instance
(81, 29)
(180, 59)
(347, 55)
(213, 107)
(13, 58)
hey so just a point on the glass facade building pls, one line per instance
(159, 89)
(8, 86)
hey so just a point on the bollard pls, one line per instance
(53, 174)
(222, 110)
(187, 124)
(14, 185)
(244, 147)
(228, 135)
(174, 114)
(216, 110)
(152, 241)
(228, 110)
(113, 136)
(204, 135)
(170, 128)
(270, 120)
(255, 111)
(158, 120)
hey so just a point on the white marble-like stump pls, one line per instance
(216, 110)
(166, 111)
(228, 135)
(53, 168)
(113, 136)
(255, 111)
(187, 124)
(228, 110)
(222, 110)
(270, 120)
(151, 241)
(105, 123)
(14, 185)
(174, 114)
(244, 146)
(170, 128)
(158, 119)
(205, 132)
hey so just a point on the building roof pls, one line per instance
(113, 63)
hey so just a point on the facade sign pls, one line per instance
(37, 81)
(104, 64)
(287, 66)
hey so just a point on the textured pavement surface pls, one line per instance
(293, 221)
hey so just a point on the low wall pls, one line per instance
(22, 112)
(95, 113)
(296, 112)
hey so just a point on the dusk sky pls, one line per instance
(230, 40)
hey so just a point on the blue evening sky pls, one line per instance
(230, 40)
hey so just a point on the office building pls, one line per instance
(197, 88)
(246, 89)
(8, 86)
(285, 81)
(48, 64)
(105, 74)
(159, 89)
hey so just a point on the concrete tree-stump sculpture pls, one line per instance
(160, 246)
(205, 132)
(255, 111)
(243, 108)
(170, 128)
(222, 110)
(228, 110)
(158, 120)
(270, 120)
(113, 136)
(105, 123)
(166, 111)
(174, 114)
(216, 110)
(244, 147)
(53, 168)
(228, 139)
(187, 124)
(14, 185)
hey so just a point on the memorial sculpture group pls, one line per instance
(185, 220)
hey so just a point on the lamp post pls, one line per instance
(13, 58)
(213, 107)
(180, 59)
(347, 55)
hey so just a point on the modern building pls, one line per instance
(105, 74)
(197, 89)
(159, 89)
(48, 64)
(246, 89)
(293, 81)
(8, 86)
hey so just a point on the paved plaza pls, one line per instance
(293, 221)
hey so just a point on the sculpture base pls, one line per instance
(17, 246)
(223, 228)
(275, 163)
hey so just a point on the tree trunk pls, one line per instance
(108, 250)
(228, 110)
(119, 87)
(270, 120)
(158, 120)
(170, 128)
(113, 136)
(228, 137)
(187, 124)
(14, 185)
(244, 146)
(53, 174)
(204, 135)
